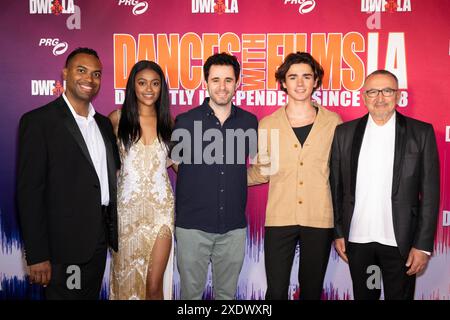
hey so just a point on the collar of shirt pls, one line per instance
(91, 111)
(387, 127)
(210, 112)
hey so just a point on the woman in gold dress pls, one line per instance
(142, 268)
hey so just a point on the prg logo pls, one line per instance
(139, 7)
(306, 6)
(55, 7)
(58, 47)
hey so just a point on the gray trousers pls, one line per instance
(195, 249)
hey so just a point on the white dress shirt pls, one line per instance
(372, 216)
(96, 147)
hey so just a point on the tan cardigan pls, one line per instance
(299, 190)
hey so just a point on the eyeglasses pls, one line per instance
(387, 92)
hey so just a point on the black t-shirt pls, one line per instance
(303, 132)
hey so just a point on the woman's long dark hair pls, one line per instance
(129, 131)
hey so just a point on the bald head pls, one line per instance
(382, 72)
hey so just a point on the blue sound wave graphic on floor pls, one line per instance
(19, 289)
(9, 233)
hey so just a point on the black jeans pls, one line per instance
(279, 252)
(366, 259)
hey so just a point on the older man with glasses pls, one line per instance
(385, 187)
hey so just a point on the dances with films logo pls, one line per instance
(58, 7)
(46, 88)
(55, 7)
(217, 6)
(139, 7)
(390, 6)
(305, 6)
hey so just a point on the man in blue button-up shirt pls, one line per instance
(213, 143)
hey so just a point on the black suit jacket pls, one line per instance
(415, 185)
(58, 190)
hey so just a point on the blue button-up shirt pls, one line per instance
(211, 190)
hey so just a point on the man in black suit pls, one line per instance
(385, 187)
(67, 185)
